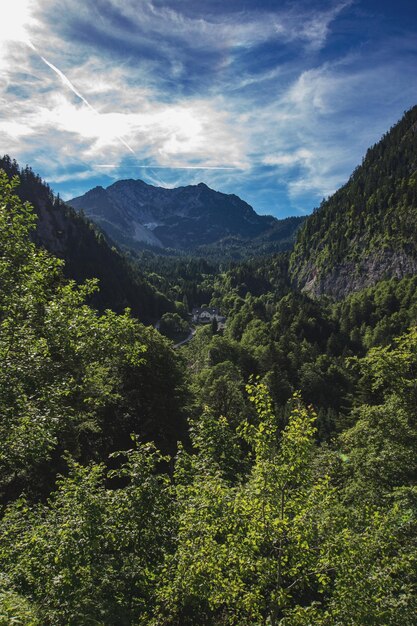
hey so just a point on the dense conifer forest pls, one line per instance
(263, 473)
(367, 229)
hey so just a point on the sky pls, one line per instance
(274, 101)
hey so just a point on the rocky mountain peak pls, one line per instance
(134, 213)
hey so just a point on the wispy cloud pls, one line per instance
(316, 29)
(167, 167)
(220, 30)
(75, 91)
(275, 104)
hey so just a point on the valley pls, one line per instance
(221, 429)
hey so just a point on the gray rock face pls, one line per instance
(347, 277)
(135, 213)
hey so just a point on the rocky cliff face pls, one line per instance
(348, 277)
(135, 213)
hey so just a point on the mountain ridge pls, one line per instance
(135, 213)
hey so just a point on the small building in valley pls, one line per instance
(206, 315)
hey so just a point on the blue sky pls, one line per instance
(274, 101)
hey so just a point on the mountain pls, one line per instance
(86, 251)
(136, 214)
(367, 230)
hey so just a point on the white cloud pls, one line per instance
(16, 19)
(15, 131)
(317, 28)
(196, 130)
(325, 121)
(288, 159)
(169, 30)
(86, 102)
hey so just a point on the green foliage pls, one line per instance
(66, 372)
(245, 551)
(86, 252)
(367, 554)
(92, 554)
(173, 326)
(372, 534)
(254, 519)
(221, 387)
(381, 445)
(374, 316)
(15, 608)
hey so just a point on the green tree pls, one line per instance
(369, 534)
(68, 375)
(92, 554)
(248, 552)
(173, 326)
(221, 387)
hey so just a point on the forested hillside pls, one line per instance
(285, 489)
(367, 230)
(86, 251)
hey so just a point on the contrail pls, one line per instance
(69, 84)
(172, 167)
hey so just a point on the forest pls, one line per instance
(368, 227)
(265, 474)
